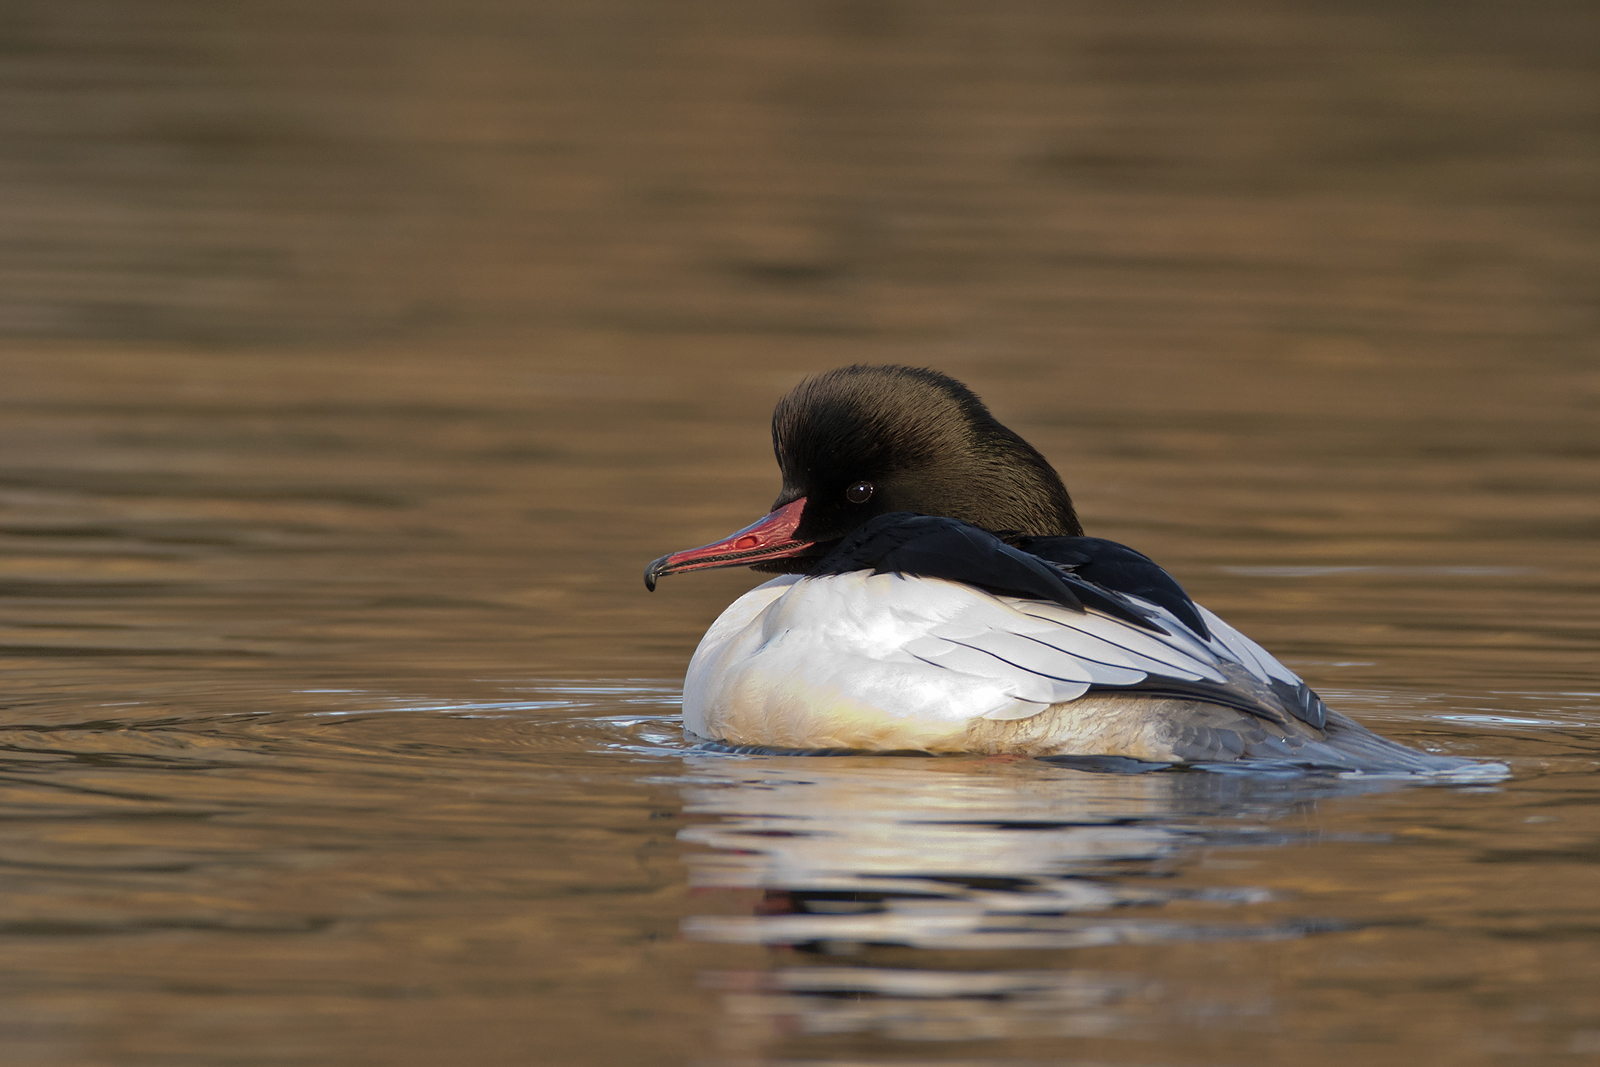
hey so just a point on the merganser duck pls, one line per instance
(937, 595)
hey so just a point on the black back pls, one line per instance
(927, 546)
(1118, 567)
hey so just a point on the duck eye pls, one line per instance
(859, 493)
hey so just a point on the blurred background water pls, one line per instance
(356, 357)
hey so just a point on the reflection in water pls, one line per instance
(912, 1005)
(981, 855)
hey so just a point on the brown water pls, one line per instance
(358, 356)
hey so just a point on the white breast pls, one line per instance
(889, 662)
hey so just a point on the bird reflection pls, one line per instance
(858, 859)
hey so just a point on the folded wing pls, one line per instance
(1083, 615)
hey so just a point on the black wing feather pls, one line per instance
(1302, 702)
(1119, 568)
(929, 546)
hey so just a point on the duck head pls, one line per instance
(863, 441)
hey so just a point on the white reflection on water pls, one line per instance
(970, 853)
(852, 854)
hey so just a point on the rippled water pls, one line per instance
(357, 357)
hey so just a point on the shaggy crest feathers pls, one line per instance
(925, 441)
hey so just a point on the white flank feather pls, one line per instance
(887, 662)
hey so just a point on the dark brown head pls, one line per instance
(922, 442)
(863, 441)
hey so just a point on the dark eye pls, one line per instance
(859, 493)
